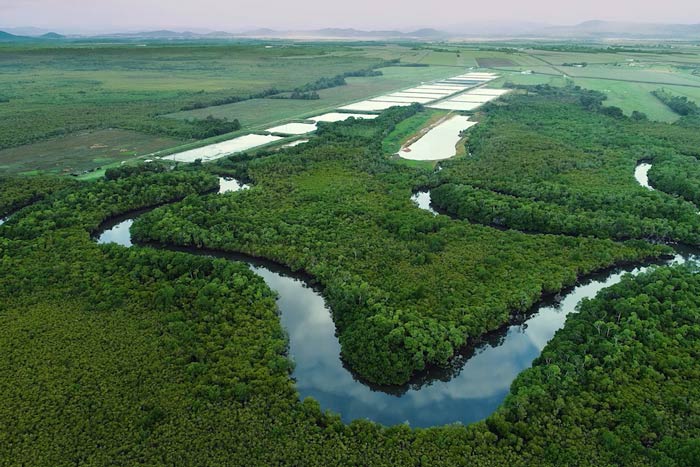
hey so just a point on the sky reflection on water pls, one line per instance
(470, 390)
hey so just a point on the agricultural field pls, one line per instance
(256, 113)
(72, 91)
(631, 96)
(81, 151)
(50, 91)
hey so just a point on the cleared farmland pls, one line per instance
(255, 114)
(81, 151)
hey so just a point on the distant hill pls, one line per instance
(612, 29)
(52, 35)
(161, 34)
(7, 37)
(588, 30)
(25, 31)
(326, 33)
(347, 33)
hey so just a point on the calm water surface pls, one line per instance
(469, 390)
(641, 173)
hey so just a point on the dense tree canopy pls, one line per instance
(126, 356)
(341, 212)
(17, 192)
(550, 160)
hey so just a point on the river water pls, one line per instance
(469, 390)
(641, 173)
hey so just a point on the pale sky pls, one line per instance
(236, 15)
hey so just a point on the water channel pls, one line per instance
(474, 385)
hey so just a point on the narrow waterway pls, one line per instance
(469, 390)
(641, 173)
(227, 184)
(422, 200)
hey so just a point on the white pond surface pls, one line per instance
(225, 148)
(428, 92)
(641, 173)
(438, 143)
(415, 94)
(332, 117)
(443, 87)
(489, 91)
(471, 81)
(373, 105)
(478, 75)
(293, 128)
(420, 100)
(469, 97)
(447, 105)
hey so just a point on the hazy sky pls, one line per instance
(232, 15)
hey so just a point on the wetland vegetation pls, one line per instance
(144, 355)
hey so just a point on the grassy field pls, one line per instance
(81, 151)
(66, 98)
(470, 56)
(259, 113)
(626, 78)
(631, 96)
(54, 91)
(58, 90)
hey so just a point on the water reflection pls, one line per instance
(641, 173)
(422, 200)
(470, 389)
(227, 185)
(117, 232)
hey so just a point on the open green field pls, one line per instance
(470, 56)
(632, 96)
(626, 78)
(58, 90)
(255, 114)
(632, 72)
(59, 94)
(81, 151)
(50, 91)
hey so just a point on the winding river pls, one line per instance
(469, 390)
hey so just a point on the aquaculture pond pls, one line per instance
(474, 385)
